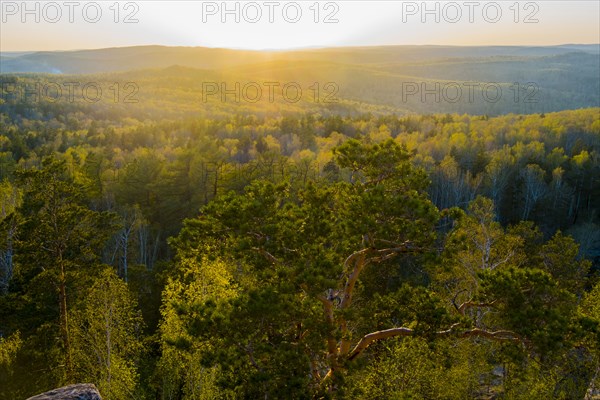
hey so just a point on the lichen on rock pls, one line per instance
(80, 391)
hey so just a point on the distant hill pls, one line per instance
(142, 57)
(380, 79)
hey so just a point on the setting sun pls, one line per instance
(290, 25)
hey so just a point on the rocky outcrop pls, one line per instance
(80, 391)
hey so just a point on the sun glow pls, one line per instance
(283, 25)
(248, 25)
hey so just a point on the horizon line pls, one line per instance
(280, 50)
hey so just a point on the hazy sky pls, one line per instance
(66, 25)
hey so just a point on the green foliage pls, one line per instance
(412, 368)
(565, 377)
(292, 241)
(560, 257)
(58, 241)
(415, 307)
(531, 304)
(182, 371)
(106, 331)
(590, 309)
(291, 207)
(386, 198)
(477, 243)
(9, 348)
(54, 221)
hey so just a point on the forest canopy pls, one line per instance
(297, 251)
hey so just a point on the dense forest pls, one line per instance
(165, 246)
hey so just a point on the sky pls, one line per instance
(274, 25)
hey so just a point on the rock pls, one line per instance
(80, 391)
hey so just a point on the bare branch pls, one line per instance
(248, 350)
(353, 256)
(456, 296)
(402, 331)
(267, 255)
(471, 304)
(379, 335)
(493, 335)
(359, 259)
